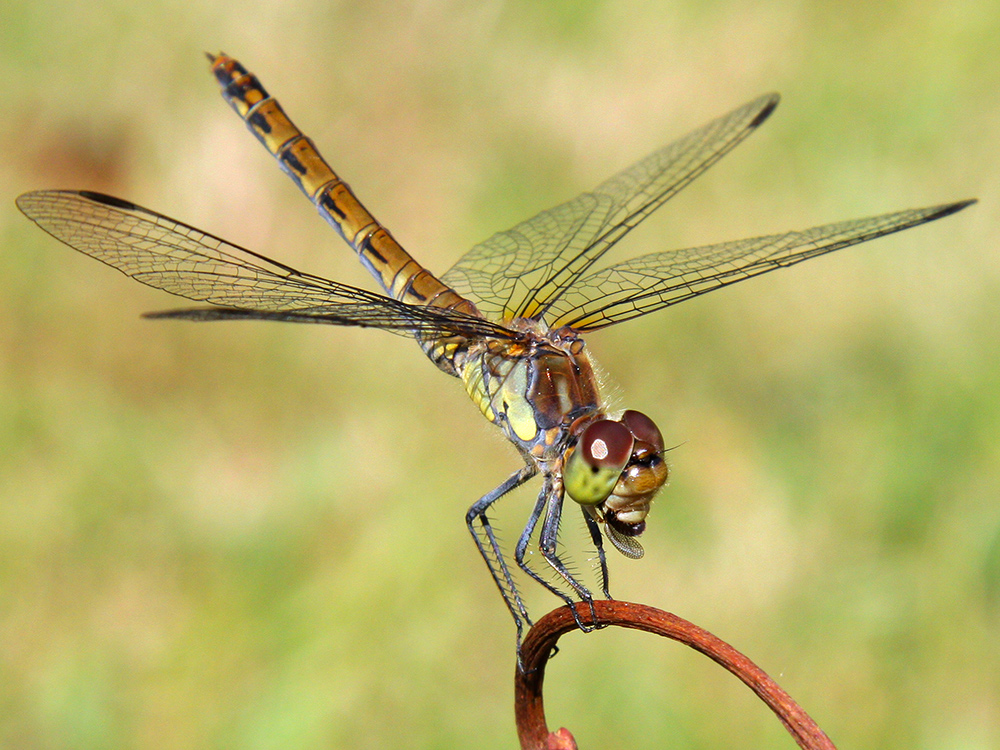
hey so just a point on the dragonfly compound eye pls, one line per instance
(595, 465)
(643, 428)
(646, 470)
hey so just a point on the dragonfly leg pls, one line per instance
(595, 535)
(520, 551)
(490, 548)
(547, 541)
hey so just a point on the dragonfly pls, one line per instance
(508, 318)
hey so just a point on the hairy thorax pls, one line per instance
(536, 389)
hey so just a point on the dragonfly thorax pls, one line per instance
(541, 391)
(535, 389)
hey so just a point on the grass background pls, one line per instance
(251, 535)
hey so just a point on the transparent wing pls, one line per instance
(651, 282)
(525, 270)
(182, 260)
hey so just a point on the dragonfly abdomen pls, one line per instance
(395, 269)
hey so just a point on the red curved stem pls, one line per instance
(529, 709)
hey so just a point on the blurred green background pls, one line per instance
(251, 535)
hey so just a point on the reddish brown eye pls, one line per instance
(643, 428)
(606, 444)
(594, 465)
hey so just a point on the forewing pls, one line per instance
(185, 261)
(525, 270)
(651, 282)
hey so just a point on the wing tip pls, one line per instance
(952, 208)
(768, 103)
(25, 199)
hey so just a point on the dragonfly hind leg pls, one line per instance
(489, 547)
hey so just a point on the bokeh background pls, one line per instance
(251, 535)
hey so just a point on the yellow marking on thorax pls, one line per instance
(472, 376)
(497, 384)
(520, 414)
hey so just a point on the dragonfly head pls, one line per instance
(614, 471)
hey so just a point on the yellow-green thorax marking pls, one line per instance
(537, 390)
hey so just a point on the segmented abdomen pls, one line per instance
(399, 274)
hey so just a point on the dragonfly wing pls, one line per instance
(525, 270)
(407, 320)
(651, 282)
(502, 272)
(177, 258)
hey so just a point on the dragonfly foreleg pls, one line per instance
(595, 535)
(490, 550)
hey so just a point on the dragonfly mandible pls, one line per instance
(507, 318)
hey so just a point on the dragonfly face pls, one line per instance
(614, 471)
(507, 318)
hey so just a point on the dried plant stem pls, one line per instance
(530, 711)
